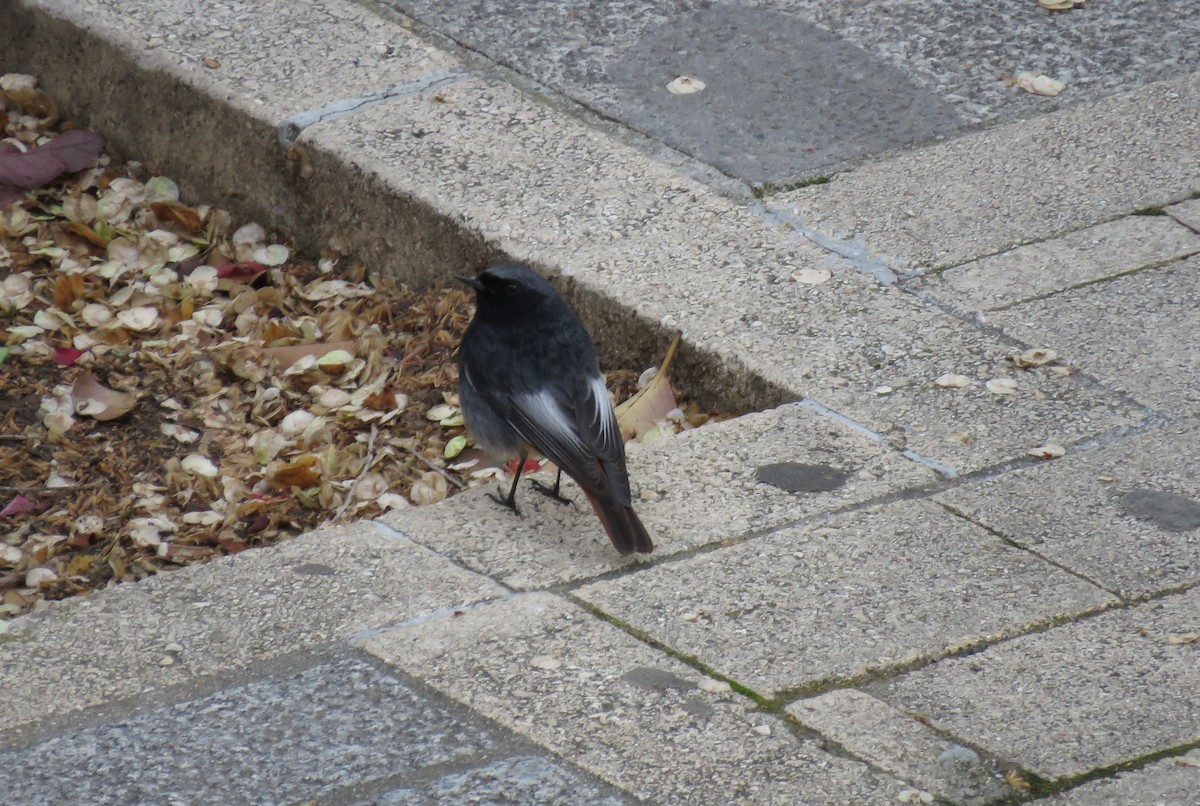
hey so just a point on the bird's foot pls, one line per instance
(508, 502)
(550, 492)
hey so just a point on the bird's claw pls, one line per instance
(505, 501)
(550, 492)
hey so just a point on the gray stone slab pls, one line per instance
(696, 488)
(875, 357)
(758, 60)
(894, 741)
(1186, 213)
(989, 191)
(1169, 782)
(275, 57)
(847, 596)
(206, 620)
(1071, 510)
(784, 100)
(1135, 333)
(274, 741)
(618, 708)
(520, 781)
(1078, 697)
(1039, 269)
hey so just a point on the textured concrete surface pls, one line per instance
(1172, 781)
(1085, 256)
(1186, 213)
(520, 780)
(1135, 333)
(697, 488)
(963, 200)
(206, 620)
(893, 740)
(626, 712)
(848, 595)
(430, 158)
(617, 57)
(1092, 694)
(1071, 511)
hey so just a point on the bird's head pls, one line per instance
(509, 289)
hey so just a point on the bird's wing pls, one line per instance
(582, 440)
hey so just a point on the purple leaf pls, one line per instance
(17, 506)
(70, 151)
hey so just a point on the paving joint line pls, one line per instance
(290, 128)
(857, 255)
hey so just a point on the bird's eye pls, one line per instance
(510, 287)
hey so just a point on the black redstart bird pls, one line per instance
(529, 381)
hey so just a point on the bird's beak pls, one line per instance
(471, 281)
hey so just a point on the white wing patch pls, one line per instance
(542, 409)
(604, 417)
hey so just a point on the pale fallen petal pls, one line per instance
(429, 489)
(1051, 450)
(1039, 84)
(812, 276)
(1002, 386)
(96, 314)
(547, 662)
(685, 85)
(200, 465)
(952, 381)
(140, 318)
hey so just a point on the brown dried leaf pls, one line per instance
(93, 399)
(299, 473)
(67, 289)
(174, 212)
(642, 412)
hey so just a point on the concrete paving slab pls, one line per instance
(519, 781)
(1186, 213)
(847, 596)
(696, 488)
(547, 189)
(620, 709)
(1075, 698)
(876, 358)
(617, 57)
(962, 200)
(285, 740)
(274, 56)
(200, 621)
(1134, 333)
(1073, 511)
(1039, 269)
(894, 741)
(1169, 782)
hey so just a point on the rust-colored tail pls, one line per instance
(624, 528)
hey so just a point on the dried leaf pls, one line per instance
(1184, 638)
(1014, 779)
(1033, 358)
(1002, 386)
(67, 289)
(93, 399)
(300, 473)
(17, 505)
(174, 212)
(429, 489)
(1039, 84)
(1051, 450)
(547, 662)
(684, 85)
(812, 276)
(952, 381)
(68, 152)
(644, 410)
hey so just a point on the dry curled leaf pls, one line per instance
(1039, 84)
(1051, 450)
(685, 85)
(952, 381)
(91, 398)
(1033, 358)
(1002, 386)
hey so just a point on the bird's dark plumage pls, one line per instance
(529, 380)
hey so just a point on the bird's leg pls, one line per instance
(511, 501)
(552, 492)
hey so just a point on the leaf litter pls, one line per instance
(175, 388)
